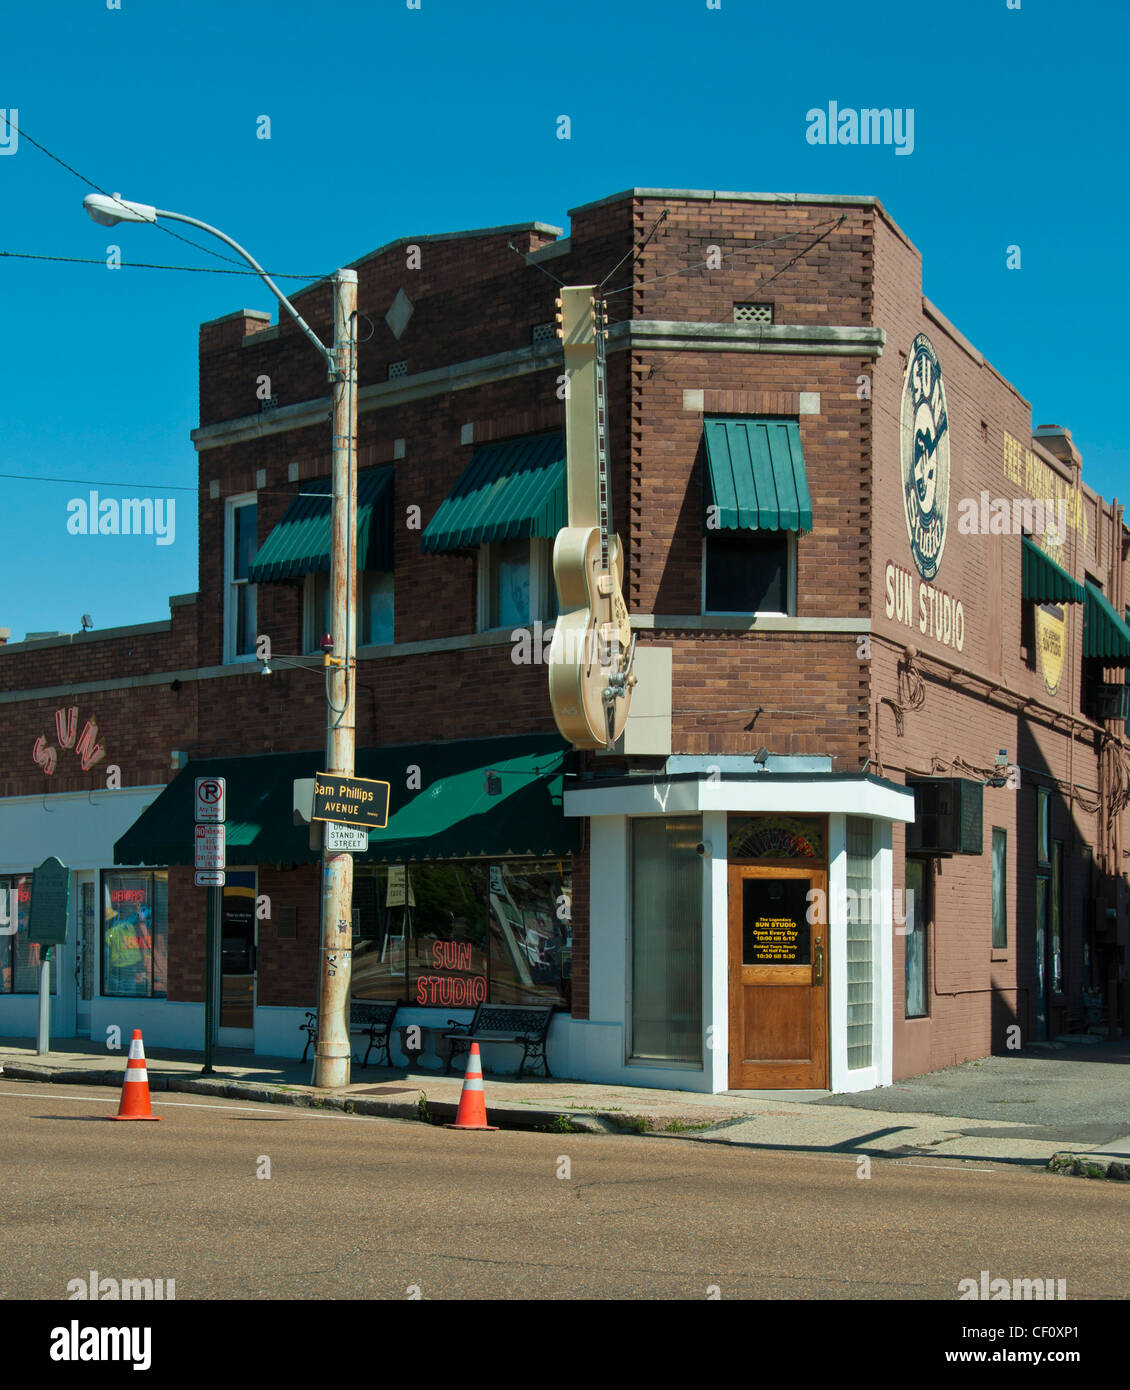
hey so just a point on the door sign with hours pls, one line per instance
(211, 847)
(354, 838)
(211, 798)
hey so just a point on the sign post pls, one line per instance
(47, 924)
(211, 861)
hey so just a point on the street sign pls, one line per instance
(50, 889)
(211, 847)
(211, 879)
(354, 838)
(350, 800)
(211, 798)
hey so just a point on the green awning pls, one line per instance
(452, 816)
(300, 543)
(509, 490)
(1043, 580)
(1106, 637)
(755, 476)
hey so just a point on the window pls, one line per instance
(917, 886)
(375, 609)
(1056, 904)
(135, 920)
(666, 939)
(19, 957)
(860, 947)
(747, 572)
(1042, 843)
(1000, 888)
(457, 935)
(516, 583)
(241, 620)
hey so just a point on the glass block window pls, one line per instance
(544, 333)
(860, 943)
(753, 313)
(397, 370)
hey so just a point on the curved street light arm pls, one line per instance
(331, 359)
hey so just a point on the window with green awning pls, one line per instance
(1042, 580)
(300, 543)
(1106, 636)
(510, 490)
(755, 476)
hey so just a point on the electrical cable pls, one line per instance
(150, 265)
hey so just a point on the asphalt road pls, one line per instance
(371, 1208)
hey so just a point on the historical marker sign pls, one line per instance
(350, 800)
(50, 890)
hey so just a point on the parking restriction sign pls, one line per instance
(211, 798)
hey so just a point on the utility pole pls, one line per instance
(331, 1053)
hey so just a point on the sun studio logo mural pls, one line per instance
(925, 457)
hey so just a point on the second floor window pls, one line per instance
(516, 583)
(374, 609)
(747, 572)
(241, 617)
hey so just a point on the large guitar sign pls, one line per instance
(593, 650)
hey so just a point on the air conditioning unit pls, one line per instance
(1110, 701)
(947, 816)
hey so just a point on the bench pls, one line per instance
(523, 1025)
(365, 1016)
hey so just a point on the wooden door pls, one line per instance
(778, 978)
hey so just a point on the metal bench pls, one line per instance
(522, 1025)
(366, 1017)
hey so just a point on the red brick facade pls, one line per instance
(816, 688)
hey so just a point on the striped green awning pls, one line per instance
(508, 490)
(452, 816)
(300, 543)
(755, 476)
(1043, 581)
(1106, 637)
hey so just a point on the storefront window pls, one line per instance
(1056, 891)
(19, 957)
(461, 934)
(666, 937)
(135, 933)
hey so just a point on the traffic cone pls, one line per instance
(472, 1112)
(135, 1085)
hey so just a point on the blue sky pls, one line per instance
(388, 121)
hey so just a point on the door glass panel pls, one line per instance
(775, 928)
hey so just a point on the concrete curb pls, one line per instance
(280, 1093)
(1073, 1165)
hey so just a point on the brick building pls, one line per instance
(851, 616)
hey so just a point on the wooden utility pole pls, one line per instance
(331, 1052)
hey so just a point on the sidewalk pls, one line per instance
(876, 1124)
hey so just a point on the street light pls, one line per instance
(331, 1053)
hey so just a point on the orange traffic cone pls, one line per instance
(135, 1086)
(472, 1112)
